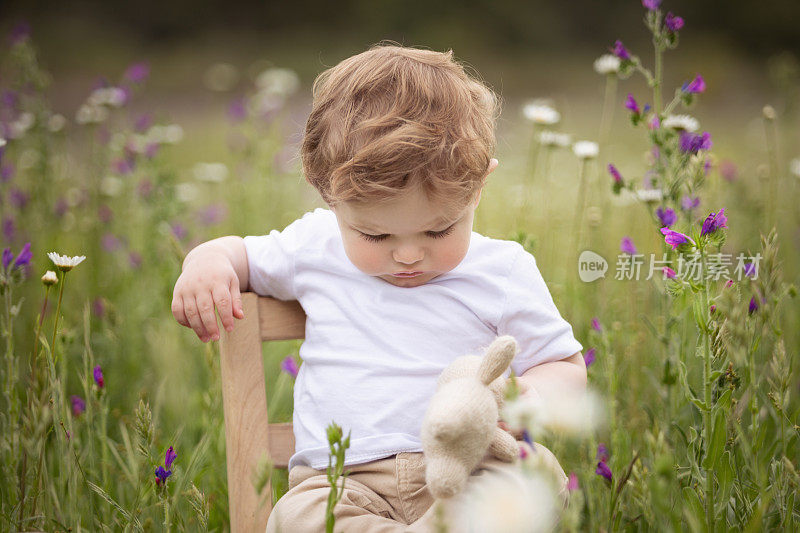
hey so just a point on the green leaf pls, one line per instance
(725, 477)
(700, 315)
(724, 401)
(693, 509)
(687, 390)
(719, 435)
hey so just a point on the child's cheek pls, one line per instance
(366, 257)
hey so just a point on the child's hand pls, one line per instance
(207, 280)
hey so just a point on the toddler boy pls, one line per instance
(394, 282)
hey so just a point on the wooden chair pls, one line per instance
(248, 433)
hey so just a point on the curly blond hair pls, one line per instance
(392, 118)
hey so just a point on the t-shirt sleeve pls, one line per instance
(531, 317)
(271, 258)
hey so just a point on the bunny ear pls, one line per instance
(498, 356)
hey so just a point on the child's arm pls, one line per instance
(555, 378)
(213, 274)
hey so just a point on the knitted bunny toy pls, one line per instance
(460, 424)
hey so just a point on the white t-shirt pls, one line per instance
(373, 351)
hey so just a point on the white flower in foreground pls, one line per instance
(680, 122)
(794, 166)
(170, 134)
(111, 186)
(571, 413)
(186, 192)
(89, 114)
(49, 278)
(65, 263)
(606, 64)
(2, 142)
(586, 149)
(508, 502)
(541, 113)
(553, 138)
(649, 195)
(112, 96)
(211, 172)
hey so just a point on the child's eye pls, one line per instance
(432, 234)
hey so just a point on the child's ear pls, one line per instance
(493, 163)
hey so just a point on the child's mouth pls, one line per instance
(406, 274)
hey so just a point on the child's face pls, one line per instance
(409, 234)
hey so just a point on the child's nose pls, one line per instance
(408, 255)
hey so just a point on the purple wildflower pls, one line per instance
(728, 170)
(18, 198)
(654, 123)
(212, 214)
(631, 105)
(627, 246)
(151, 150)
(688, 203)
(19, 33)
(666, 216)
(135, 259)
(237, 110)
(669, 273)
(729, 284)
(674, 238)
(78, 405)
(179, 231)
(9, 228)
(162, 475)
(589, 356)
(7, 258)
(750, 269)
(105, 214)
(143, 122)
(6, 172)
(620, 51)
(169, 457)
(527, 438)
(110, 242)
(137, 72)
(713, 222)
(572, 482)
(614, 173)
(289, 366)
(712, 309)
(602, 452)
(673, 22)
(98, 377)
(692, 143)
(98, 307)
(123, 165)
(24, 256)
(696, 86)
(753, 307)
(603, 470)
(596, 325)
(651, 5)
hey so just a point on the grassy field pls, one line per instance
(77, 191)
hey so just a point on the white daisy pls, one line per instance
(586, 149)
(210, 172)
(539, 113)
(49, 278)
(552, 138)
(278, 81)
(508, 502)
(56, 123)
(680, 122)
(649, 195)
(606, 64)
(65, 263)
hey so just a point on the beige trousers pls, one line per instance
(387, 495)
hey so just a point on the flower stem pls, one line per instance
(607, 117)
(709, 471)
(58, 312)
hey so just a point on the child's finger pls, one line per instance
(222, 299)
(178, 312)
(205, 307)
(238, 310)
(193, 316)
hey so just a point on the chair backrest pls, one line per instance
(248, 434)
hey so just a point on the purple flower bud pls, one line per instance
(110, 242)
(713, 222)
(630, 104)
(673, 22)
(627, 246)
(237, 110)
(596, 325)
(654, 123)
(589, 356)
(98, 307)
(572, 482)
(750, 270)
(98, 377)
(620, 51)
(666, 216)
(78, 405)
(729, 284)
(603, 470)
(212, 214)
(179, 231)
(688, 203)
(137, 72)
(7, 258)
(614, 173)
(143, 122)
(151, 150)
(696, 86)
(289, 366)
(691, 143)
(9, 228)
(602, 452)
(18, 198)
(674, 238)
(712, 309)
(6, 172)
(24, 257)
(123, 165)
(669, 273)
(753, 307)
(162, 475)
(651, 5)
(169, 457)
